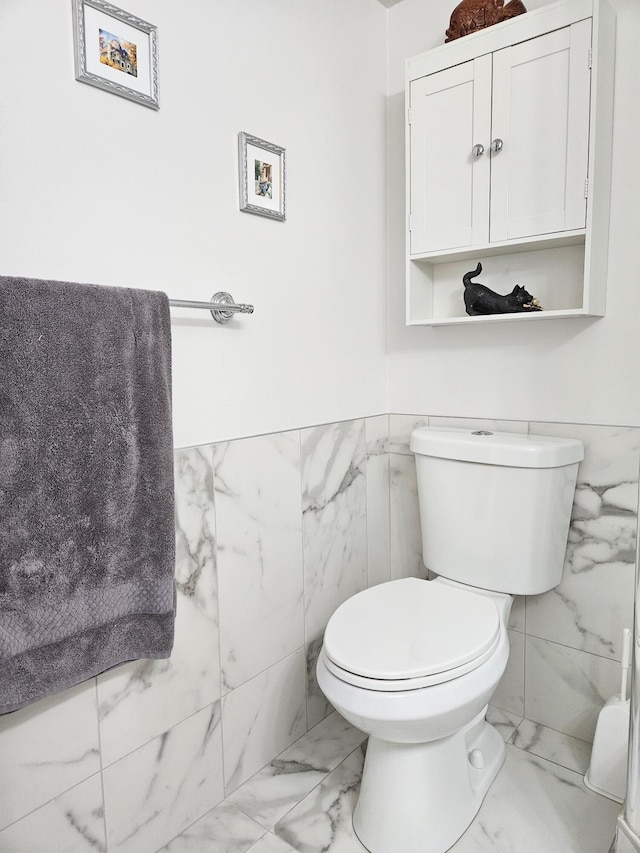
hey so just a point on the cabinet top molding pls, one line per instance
(527, 26)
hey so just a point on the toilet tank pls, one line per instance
(495, 507)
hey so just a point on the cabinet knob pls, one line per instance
(477, 151)
(497, 145)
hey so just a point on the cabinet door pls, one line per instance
(449, 186)
(541, 91)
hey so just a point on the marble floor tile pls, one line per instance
(276, 789)
(321, 823)
(569, 752)
(503, 721)
(270, 843)
(224, 829)
(534, 806)
(74, 822)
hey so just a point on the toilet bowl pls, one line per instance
(413, 664)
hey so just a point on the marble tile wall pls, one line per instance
(273, 533)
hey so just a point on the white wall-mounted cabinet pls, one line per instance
(508, 163)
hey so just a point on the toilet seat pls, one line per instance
(410, 633)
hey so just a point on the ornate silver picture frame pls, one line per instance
(116, 51)
(261, 167)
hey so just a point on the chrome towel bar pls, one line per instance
(221, 305)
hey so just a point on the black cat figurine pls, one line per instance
(480, 299)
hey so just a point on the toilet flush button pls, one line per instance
(476, 759)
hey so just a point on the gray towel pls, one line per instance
(87, 542)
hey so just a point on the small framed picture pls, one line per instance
(116, 51)
(262, 176)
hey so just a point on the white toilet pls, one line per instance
(414, 663)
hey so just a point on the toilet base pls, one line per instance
(421, 797)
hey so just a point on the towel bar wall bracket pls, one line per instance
(222, 314)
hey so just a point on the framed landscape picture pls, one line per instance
(116, 51)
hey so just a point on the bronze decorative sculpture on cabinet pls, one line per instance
(472, 15)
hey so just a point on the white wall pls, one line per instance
(557, 370)
(95, 188)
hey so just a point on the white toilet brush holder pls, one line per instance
(607, 773)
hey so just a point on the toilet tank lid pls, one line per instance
(516, 450)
